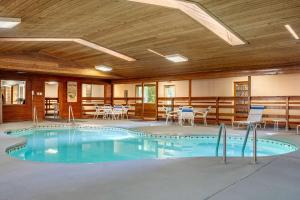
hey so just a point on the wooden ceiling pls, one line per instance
(131, 28)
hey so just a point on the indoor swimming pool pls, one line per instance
(93, 145)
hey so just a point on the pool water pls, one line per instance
(92, 145)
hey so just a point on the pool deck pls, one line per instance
(175, 179)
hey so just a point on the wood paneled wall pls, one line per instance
(12, 113)
(35, 84)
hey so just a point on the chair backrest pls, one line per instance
(107, 108)
(186, 112)
(97, 108)
(206, 111)
(56, 107)
(255, 114)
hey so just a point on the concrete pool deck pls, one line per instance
(175, 179)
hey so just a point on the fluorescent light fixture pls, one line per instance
(6, 22)
(201, 15)
(291, 30)
(155, 52)
(76, 40)
(176, 58)
(103, 68)
(173, 57)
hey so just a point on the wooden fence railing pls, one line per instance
(49, 105)
(89, 105)
(224, 109)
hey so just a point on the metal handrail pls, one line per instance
(35, 116)
(250, 127)
(71, 114)
(222, 129)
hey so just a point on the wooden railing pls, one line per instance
(89, 105)
(224, 108)
(49, 105)
(135, 104)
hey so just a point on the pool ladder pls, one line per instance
(222, 130)
(250, 127)
(71, 115)
(35, 116)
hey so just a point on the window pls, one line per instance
(149, 94)
(92, 90)
(169, 90)
(138, 91)
(13, 92)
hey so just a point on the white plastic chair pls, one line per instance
(254, 117)
(169, 114)
(55, 110)
(98, 112)
(117, 112)
(203, 115)
(107, 109)
(125, 111)
(186, 113)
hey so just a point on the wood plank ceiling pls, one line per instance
(132, 28)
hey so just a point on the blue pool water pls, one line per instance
(87, 145)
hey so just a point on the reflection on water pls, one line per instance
(89, 146)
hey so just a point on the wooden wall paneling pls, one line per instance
(112, 90)
(38, 98)
(249, 92)
(1, 110)
(143, 104)
(217, 110)
(156, 100)
(190, 92)
(287, 111)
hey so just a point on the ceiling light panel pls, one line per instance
(103, 68)
(8, 23)
(292, 32)
(176, 58)
(202, 16)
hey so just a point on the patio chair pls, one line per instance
(99, 111)
(186, 114)
(254, 117)
(203, 115)
(55, 110)
(169, 114)
(125, 111)
(117, 112)
(107, 109)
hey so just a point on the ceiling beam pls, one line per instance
(201, 15)
(255, 71)
(76, 40)
(47, 65)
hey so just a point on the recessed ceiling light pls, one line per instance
(6, 22)
(201, 15)
(103, 68)
(176, 58)
(291, 30)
